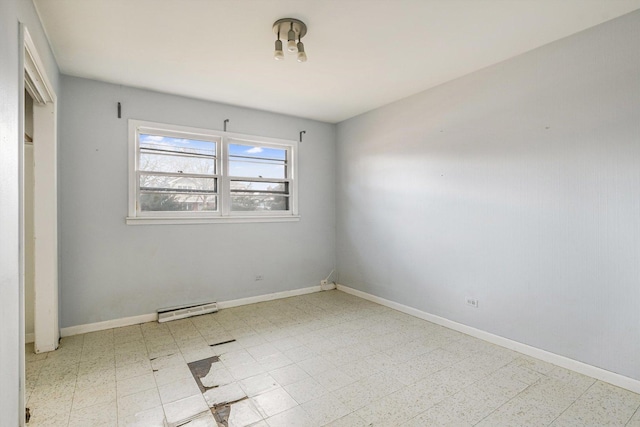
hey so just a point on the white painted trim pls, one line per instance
(37, 82)
(152, 317)
(29, 338)
(222, 141)
(556, 359)
(45, 196)
(21, 234)
(211, 220)
(108, 324)
(45, 220)
(268, 297)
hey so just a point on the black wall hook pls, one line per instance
(301, 133)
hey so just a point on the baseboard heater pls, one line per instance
(182, 312)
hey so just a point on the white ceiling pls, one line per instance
(362, 53)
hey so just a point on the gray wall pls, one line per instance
(9, 275)
(111, 270)
(518, 185)
(11, 13)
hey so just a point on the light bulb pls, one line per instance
(278, 55)
(302, 56)
(291, 43)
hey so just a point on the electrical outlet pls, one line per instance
(472, 302)
(259, 277)
(325, 285)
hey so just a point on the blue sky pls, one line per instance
(272, 167)
(262, 152)
(189, 145)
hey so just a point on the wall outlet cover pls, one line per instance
(472, 302)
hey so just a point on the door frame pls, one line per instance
(45, 218)
(34, 80)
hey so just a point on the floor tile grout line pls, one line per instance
(572, 403)
(115, 372)
(75, 385)
(153, 372)
(273, 322)
(451, 395)
(637, 411)
(525, 389)
(37, 376)
(187, 363)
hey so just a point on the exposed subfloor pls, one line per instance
(327, 358)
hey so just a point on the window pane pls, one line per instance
(257, 162)
(257, 187)
(177, 155)
(177, 183)
(251, 202)
(175, 202)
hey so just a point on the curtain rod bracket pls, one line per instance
(119, 110)
(225, 124)
(301, 133)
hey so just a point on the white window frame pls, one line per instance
(222, 139)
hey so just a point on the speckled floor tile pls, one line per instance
(153, 417)
(273, 402)
(318, 359)
(294, 417)
(184, 409)
(102, 414)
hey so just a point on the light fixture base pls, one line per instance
(282, 26)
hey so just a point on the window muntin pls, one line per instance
(187, 173)
(176, 173)
(259, 196)
(259, 177)
(177, 155)
(257, 161)
(177, 202)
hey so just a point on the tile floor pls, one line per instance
(320, 359)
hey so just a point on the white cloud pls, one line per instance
(254, 150)
(154, 137)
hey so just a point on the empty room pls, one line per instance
(223, 213)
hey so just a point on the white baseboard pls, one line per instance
(108, 324)
(268, 297)
(562, 361)
(29, 338)
(152, 317)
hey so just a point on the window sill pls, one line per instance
(211, 220)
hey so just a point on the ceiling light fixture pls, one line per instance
(295, 29)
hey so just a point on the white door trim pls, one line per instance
(46, 328)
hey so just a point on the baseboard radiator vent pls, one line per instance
(175, 313)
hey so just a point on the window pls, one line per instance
(183, 175)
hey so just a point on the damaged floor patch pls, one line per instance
(220, 343)
(200, 370)
(219, 391)
(222, 412)
(224, 394)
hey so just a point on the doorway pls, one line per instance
(41, 121)
(45, 200)
(29, 230)
(38, 209)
